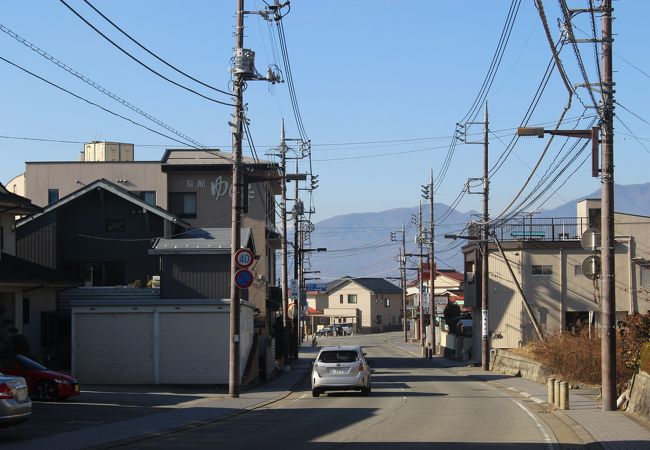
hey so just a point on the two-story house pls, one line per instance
(28, 291)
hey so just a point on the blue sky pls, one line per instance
(380, 85)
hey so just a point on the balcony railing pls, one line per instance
(538, 229)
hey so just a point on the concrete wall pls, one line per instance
(510, 363)
(640, 395)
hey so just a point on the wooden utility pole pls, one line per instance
(485, 338)
(238, 93)
(608, 306)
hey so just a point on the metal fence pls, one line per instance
(538, 229)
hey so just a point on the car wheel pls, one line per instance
(46, 391)
(365, 391)
(315, 392)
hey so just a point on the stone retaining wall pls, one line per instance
(640, 395)
(504, 361)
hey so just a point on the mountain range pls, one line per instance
(360, 244)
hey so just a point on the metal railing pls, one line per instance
(537, 229)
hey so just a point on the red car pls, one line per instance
(44, 384)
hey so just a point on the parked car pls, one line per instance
(327, 330)
(343, 329)
(44, 384)
(342, 368)
(15, 405)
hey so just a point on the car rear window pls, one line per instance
(338, 356)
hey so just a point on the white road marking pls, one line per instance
(550, 443)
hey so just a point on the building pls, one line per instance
(371, 304)
(546, 257)
(192, 185)
(28, 291)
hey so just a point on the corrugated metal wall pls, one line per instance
(36, 241)
(194, 348)
(200, 276)
(505, 301)
(113, 348)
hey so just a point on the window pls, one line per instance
(645, 277)
(341, 299)
(378, 320)
(539, 270)
(387, 302)
(104, 274)
(52, 196)
(115, 225)
(352, 298)
(149, 197)
(577, 270)
(183, 204)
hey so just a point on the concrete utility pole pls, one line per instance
(485, 338)
(608, 306)
(432, 267)
(403, 270)
(283, 212)
(296, 265)
(422, 333)
(238, 90)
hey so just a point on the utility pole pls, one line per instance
(485, 338)
(403, 269)
(420, 241)
(432, 269)
(283, 212)
(608, 306)
(297, 253)
(482, 245)
(238, 90)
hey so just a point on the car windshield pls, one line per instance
(338, 356)
(29, 364)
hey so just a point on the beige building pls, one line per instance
(547, 260)
(372, 304)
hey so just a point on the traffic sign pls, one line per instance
(244, 257)
(244, 278)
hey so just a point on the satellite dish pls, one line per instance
(590, 239)
(591, 267)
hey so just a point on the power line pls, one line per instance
(153, 54)
(95, 85)
(93, 103)
(140, 62)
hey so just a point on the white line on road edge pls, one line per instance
(550, 442)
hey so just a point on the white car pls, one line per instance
(342, 368)
(15, 405)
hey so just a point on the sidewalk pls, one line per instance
(613, 430)
(186, 415)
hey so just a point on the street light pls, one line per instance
(583, 134)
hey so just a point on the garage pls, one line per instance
(155, 342)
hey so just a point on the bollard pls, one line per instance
(550, 387)
(556, 393)
(564, 395)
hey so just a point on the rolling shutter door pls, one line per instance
(114, 348)
(194, 348)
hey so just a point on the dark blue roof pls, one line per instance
(376, 285)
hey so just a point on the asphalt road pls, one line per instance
(412, 406)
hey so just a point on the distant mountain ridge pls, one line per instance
(359, 244)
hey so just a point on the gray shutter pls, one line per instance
(114, 348)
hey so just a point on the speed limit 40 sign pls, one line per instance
(244, 257)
